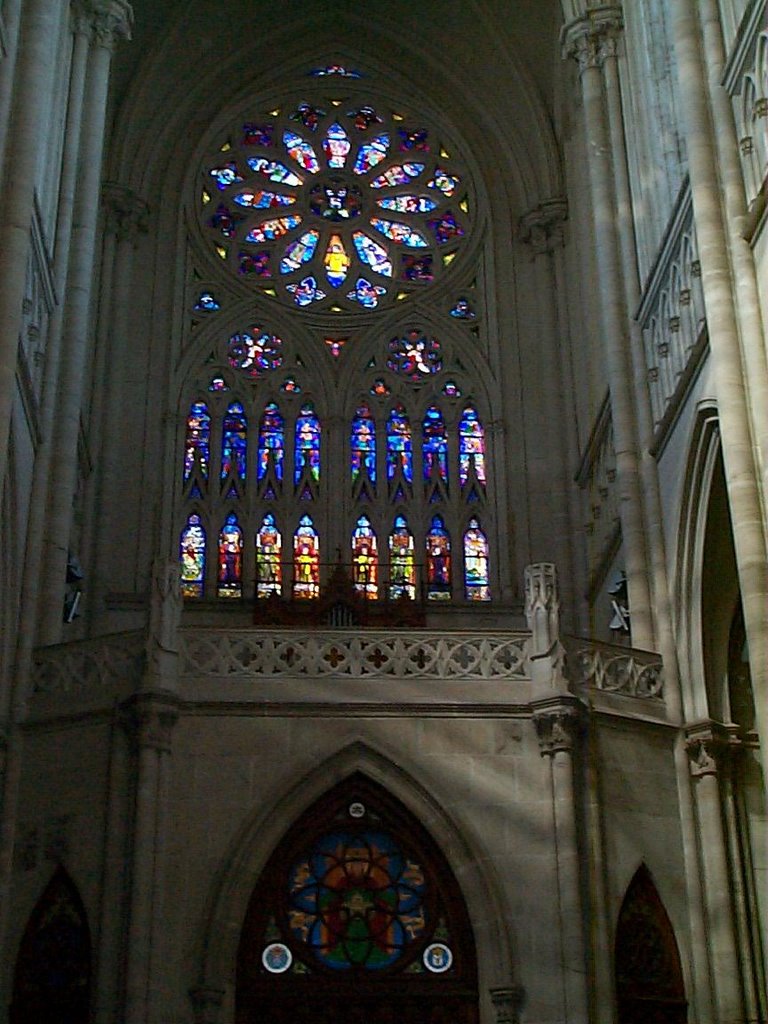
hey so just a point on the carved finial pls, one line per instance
(542, 605)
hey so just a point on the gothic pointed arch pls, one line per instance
(357, 914)
(648, 972)
(52, 980)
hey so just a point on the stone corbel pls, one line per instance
(112, 21)
(542, 228)
(127, 214)
(710, 746)
(560, 723)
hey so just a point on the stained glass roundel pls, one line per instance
(335, 205)
(357, 900)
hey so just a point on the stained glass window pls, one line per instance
(307, 449)
(271, 441)
(233, 442)
(306, 560)
(399, 447)
(471, 446)
(365, 558)
(230, 577)
(363, 445)
(340, 168)
(269, 570)
(435, 445)
(402, 566)
(476, 583)
(255, 351)
(438, 561)
(198, 440)
(414, 355)
(192, 557)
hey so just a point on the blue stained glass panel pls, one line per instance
(192, 557)
(363, 444)
(371, 153)
(471, 446)
(400, 174)
(476, 583)
(230, 582)
(197, 448)
(271, 442)
(372, 253)
(300, 251)
(399, 445)
(234, 442)
(307, 447)
(274, 170)
(438, 561)
(399, 232)
(301, 151)
(435, 445)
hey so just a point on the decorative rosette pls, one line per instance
(340, 206)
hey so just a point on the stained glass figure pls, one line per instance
(399, 444)
(336, 261)
(438, 561)
(206, 303)
(379, 388)
(366, 294)
(226, 175)
(255, 264)
(357, 900)
(335, 69)
(269, 569)
(262, 200)
(271, 442)
(371, 153)
(444, 182)
(234, 442)
(365, 559)
(257, 134)
(255, 351)
(407, 204)
(434, 445)
(308, 115)
(335, 345)
(462, 310)
(364, 117)
(336, 145)
(471, 446)
(274, 170)
(373, 254)
(272, 229)
(399, 232)
(301, 151)
(400, 174)
(476, 584)
(291, 386)
(306, 561)
(230, 583)
(300, 251)
(402, 565)
(451, 389)
(307, 447)
(335, 200)
(414, 355)
(218, 384)
(363, 445)
(413, 140)
(446, 228)
(417, 269)
(224, 221)
(192, 557)
(197, 447)
(306, 291)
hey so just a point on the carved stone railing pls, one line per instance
(746, 79)
(67, 668)
(671, 311)
(406, 654)
(614, 669)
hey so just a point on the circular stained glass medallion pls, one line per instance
(276, 958)
(335, 205)
(437, 957)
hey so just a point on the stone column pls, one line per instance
(729, 369)
(560, 724)
(541, 231)
(707, 745)
(111, 21)
(586, 39)
(507, 1003)
(149, 718)
(126, 219)
(32, 90)
(9, 17)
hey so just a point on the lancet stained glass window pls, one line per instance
(269, 548)
(307, 448)
(363, 444)
(365, 558)
(471, 447)
(198, 440)
(476, 582)
(231, 558)
(402, 567)
(271, 441)
(234, 442)
(306, 560)
(192, 557)
(399, 447)
(438, 561)
(435, 445)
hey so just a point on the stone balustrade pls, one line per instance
(746, 79)
(614, 669)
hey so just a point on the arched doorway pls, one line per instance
(649, 978)
(357, 918)
(53, 969)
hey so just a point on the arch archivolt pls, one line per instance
(231, 890)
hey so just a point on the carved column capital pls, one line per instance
(592, 37)
(149, 718)
(559, 722)
(127, 215)
(507, 1003)
(111, 21)
(542, 228)
(206, 1002)
(710, 746)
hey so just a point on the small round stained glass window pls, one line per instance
(357, 900)
(340, 204)
(276, 958)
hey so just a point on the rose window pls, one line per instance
(341, 206)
